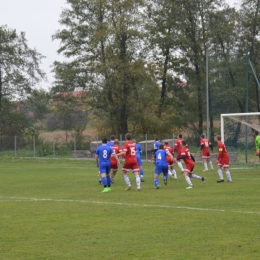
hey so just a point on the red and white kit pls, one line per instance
(130, 157)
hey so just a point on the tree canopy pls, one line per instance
(19, 73)
(142, 63)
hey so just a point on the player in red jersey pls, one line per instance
(114, 165)
(189, 165)
(129, 153)
(223, 161)
(177, 149)
(204, 147)
(171, 172)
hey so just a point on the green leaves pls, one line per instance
(132, 56)
(19, 73)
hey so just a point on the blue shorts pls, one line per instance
(139, 161)
(104, 167)
(161, 168)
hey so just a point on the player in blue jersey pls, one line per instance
(161, 165)
(139, 160)
(112, 140)
(110, 143)
(103, 154)
(156, 144)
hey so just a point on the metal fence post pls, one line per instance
(146, 153)
(33, 146)
(120, 139)
(75, 148)
(207, 91)
(53, 147)
(15, 146)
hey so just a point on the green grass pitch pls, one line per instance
(54, 209)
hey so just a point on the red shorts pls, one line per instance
(224, 162)
(205, 155)
(131, 166)
(189, 168)
(178, 155)
(114, 165)
(169, 161)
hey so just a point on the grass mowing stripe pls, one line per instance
(125, 204)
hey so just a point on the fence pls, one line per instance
(74, 146)
(83, 147)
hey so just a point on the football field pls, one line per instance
(54, 209)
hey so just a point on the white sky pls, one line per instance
(39, 19)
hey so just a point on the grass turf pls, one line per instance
(54, 209)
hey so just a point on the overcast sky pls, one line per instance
(39, 20)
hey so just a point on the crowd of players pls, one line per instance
(164, 157)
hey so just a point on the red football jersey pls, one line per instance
(222, 151)
(168, 158)
(130, 150)
(168, 148)
(187, 159)
(206, 144)
(117, 149)
(177, 145)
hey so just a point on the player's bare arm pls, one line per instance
(116, 157)
(168, 153)
(122, 153)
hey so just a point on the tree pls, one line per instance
(194, 40)
(249, 23)
(103, 40)
(13, 120)
(19, 72)
(19, 65)
(38, 103)
(70, 112)
(162, 18)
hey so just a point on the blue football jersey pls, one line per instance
(156, 144)
(160, 157)
(104, 152)
(111, 143)
(138, 150)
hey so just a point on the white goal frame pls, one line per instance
(222, 116)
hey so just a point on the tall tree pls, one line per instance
(161, 26)
(249, 38)
(194, 39)
(19, 73)
(19, 65)
(104, 43)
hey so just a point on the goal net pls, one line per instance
(237, 132)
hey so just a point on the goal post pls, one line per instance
(234, 130)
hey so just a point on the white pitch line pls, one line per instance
(248, 179)
(8, 199)
(242, 168)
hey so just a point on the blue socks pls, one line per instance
(104, 181)
(108, 181)
(156, 182)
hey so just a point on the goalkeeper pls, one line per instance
(257, 144)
